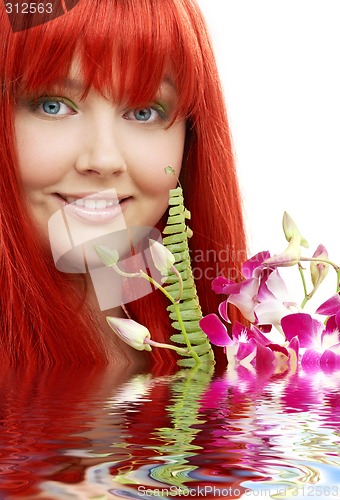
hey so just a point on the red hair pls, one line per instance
(145, 39)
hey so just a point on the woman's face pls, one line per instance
(70, 149)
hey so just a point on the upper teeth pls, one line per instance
(91, 203)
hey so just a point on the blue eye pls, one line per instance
(143, 114)
(51, 107)
(146, 115)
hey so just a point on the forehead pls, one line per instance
(75, 84)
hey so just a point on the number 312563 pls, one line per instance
(28, 8)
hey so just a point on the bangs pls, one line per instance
(126, 49)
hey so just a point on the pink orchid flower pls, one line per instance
(262, 297)
(331, 308)
(249, 347)
(320, 346)
(273, 302)
(242, 295)
(239, 348)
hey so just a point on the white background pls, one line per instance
(279, 63)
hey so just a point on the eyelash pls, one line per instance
(162, 115)
(34, 106)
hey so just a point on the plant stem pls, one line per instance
(180, 282)
(184, 333)
(180, 350)
(142, 274)
(306, 297)
(178, 315)
(324, 261)
(124, 274)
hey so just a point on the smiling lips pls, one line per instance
(93, 203)
(95, 209)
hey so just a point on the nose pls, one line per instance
(101, 153)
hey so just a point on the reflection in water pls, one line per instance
(84, 434)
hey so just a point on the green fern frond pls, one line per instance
(176, 235)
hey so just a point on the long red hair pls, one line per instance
(41, 315)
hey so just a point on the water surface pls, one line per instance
(81, 434)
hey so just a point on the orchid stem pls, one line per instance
(180, 282)
(156, 285)
(323, 261)
(306, 297)
(175, 302)
(179, 350)
(124, 274)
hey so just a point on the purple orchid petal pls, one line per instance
(310, 360)
(246, 349)
(277, 286)
(330, 359)
(271, 312)
(253, 332)
(245, 305)
(222, 285)
(331, 324)
(245, 300)
(258, 335)
(330, 339)
(337, 319)
(293, 349)
(294, 344)
(264, 293)
(266, 328)
(263, 274)
(249, 287)
(254, 262)
(264, 359)
(223, 310)
(330, 307)
(301, 325)
(216, 331)
(239, 330)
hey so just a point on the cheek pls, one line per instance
(152, 157)
(40, 157)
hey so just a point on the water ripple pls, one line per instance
(109, 435)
